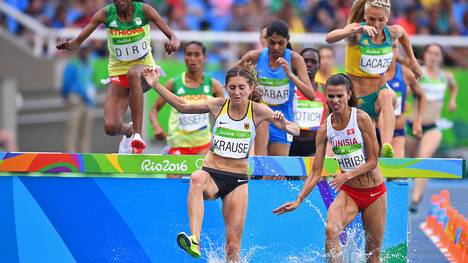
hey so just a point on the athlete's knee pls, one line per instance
(386, 96)
(332, 231)
(111, 128)
(198, 178)
(134, 74)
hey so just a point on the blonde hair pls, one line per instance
(356, 14)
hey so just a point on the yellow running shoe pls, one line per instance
(189, 244)
(387, 151)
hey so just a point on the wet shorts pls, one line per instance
(364, 196)
(367, 103)
(188, 150)
(399, 133)
(302, 148)
(226, 181)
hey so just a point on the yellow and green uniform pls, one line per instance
(190, 130)
(128, 43)
(366, 59)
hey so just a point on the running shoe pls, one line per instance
(124, 146)
(138, 144)
(387, 151)
(189, 244)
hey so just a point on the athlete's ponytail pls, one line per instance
(343, 79)
(356, 15)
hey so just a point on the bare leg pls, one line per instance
(427, 147)
(73, 123)
(261, 140)
(398, 144)
(340, 213)
(373, 221)
(385, 109)
(136, 85)
(234, 212)
(202, 187)
(115, 106)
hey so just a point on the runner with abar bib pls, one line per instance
(188, 134)
(128, 33)
(309, 114)
(400, 78)
(360, 185)
(368, 56)
(275, 65)
(434, 83)
(224, 171)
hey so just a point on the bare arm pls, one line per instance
(302, 80)
(264, 113)
(311, 181)
(249, 57)
(452, 84)
(96, 20)
(152, 77)
(152, 15)
(347, 32)
(218, 90)
(370, 143)
(398, 32)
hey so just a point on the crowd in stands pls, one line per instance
(418, 17)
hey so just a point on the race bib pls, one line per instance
(399, 104)
(434, 91)
(274, 92)
(129, 45)
(308, 114)
(375, 60)
(193, 122)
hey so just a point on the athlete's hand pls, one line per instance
(416, 69)
(279, 116)
(287, 207)
(452, 106)
(339, 180)
(417, 128)
(151, 75)
(369, 30)
(284, 65)
(172, 45)
(66, 44)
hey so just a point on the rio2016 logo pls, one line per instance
(170, 166)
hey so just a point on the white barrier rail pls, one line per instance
(49, 36)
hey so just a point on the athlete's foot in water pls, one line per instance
(124, 146)
(387, 151)
(138, 144)
(190, 244)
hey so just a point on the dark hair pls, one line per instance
(280, 28)
(312, 50)
(343, 79)
(437, 45)
(250, 75)
(198, 43)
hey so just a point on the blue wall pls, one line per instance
(52, 219)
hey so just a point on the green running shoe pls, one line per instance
(189, 244)
(387, 151)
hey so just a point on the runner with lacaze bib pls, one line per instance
(188, 133)
(368, 56)
(224, 171)
(360, 184)
(309, 114)
(275, 65)
(128, 33)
